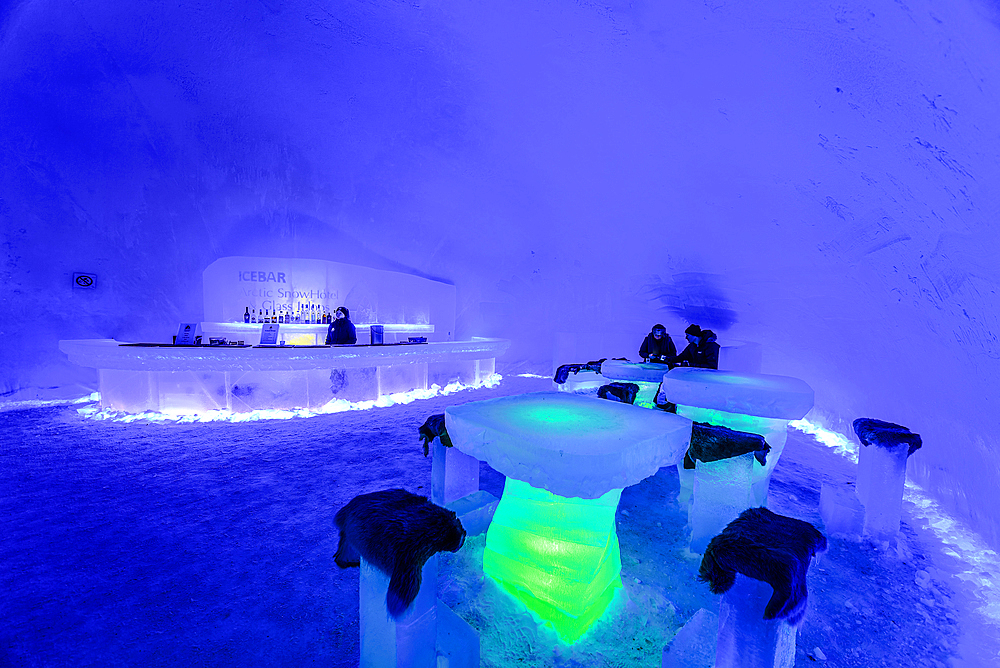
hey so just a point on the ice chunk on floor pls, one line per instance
(759, 394)
(842, 512)
(475, 511)
(694, 644)
(569, 444)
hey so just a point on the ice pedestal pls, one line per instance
(882, 474)
(409, 642)
(751, 402)
(722, 490)
(552, 542)
(454, 474)
(559, 556)
(746, 639)
(646, 375)
(428, 635)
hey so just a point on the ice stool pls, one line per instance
(882, 474)
(401, 628)
(759, 564)
(455, 478)
(723, 462)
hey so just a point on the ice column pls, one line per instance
(408, 642)
(746, 639)
(454, 474)
(721, 492)
(559, 556)
(882, 474)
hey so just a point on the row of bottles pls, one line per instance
(305, 314)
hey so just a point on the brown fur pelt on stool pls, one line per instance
(434, 427)
(396, 532)
(768, 547)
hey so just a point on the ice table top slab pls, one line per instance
(643, 372)
(758, 394)
(569, 444)
(108, 354)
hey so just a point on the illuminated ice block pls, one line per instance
(721, 492)
(882, 474)
(409, 642)
(582, 380)
(552, 543)
(746, 639)
(454, 474)
(752, 402)
(646, 375)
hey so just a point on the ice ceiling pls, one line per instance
(817, 177)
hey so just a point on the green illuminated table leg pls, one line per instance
(559, 556)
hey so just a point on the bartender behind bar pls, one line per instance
(341, 329)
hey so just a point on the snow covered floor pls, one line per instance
(211, 544)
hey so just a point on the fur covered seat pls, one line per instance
(768, 547)
(396, 532)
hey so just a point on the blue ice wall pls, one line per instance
(819, 178)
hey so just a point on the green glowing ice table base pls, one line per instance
(552, 542)
(559, 556)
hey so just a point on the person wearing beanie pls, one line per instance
(702, 351)
(341, 329)
(657, 346)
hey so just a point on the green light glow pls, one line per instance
(558, 556)
(554, 418)
(769, 428)
(647, 394)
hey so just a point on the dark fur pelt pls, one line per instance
(433, 427)
(396, 532)
(563, 372)
(877, 432)
(710, 443)
(768, 547)
(623, 392)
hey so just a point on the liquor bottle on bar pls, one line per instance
(281, 317)
(246, 315)
(253, 315)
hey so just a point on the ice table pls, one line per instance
(646, 375)
(552, 543)
(172, 379)
(752, 402)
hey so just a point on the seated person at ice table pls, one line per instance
(702, 351)
(341, 328)
(657, 346)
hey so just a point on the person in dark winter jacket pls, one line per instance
(702, 351)
(657, 346)
(341, 330)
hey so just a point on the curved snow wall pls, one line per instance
(820, 179)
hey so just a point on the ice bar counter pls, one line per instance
(552, 543)
(175, 379)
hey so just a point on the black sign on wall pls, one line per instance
(84, 280)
